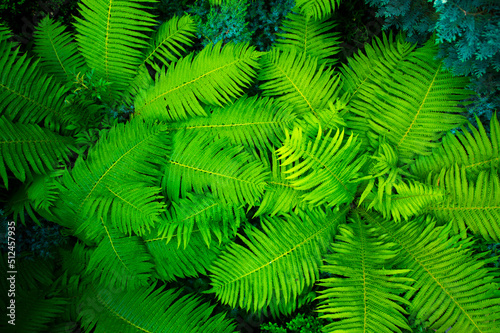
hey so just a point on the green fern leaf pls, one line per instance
(452, 287)
(297, 79)
(120, 261)
(110, 35)
(208, 214)
(170, 39)
(214, 76)
(28, 149)
(318, 9)
(473, 205)
(364, 296)
(306, 35)
(250, 121)
(417, 105)
(474, 152)
(27, 95)
(59, 57)
(278, 264)
(128, 155)
(173, 262)
(203, 164)
(326, 169)
(172, 312)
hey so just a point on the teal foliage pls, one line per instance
(33, 241)
(265, 18)
(300, 324)
(257, 22)
(468, 33)
(221, 23)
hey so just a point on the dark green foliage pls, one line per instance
(300, 324)
(33, 241)
(337, 188)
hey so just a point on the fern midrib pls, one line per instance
(118, 315)
(258, 123)
(57, 54)
(213, 173)
(362, 240)
(191, 82)
(113, 246)
(106, 48)
(296, 88)
(419, 109)
(52, 111)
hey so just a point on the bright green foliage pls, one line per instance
(447, 278)
(40, 147)
(339, 185)
(365, 297)
(110, 38)
(296, 78)
(200, 163)
(169, 315)
(58, 56)
(318, 9)
(279, 263)
(326, 169)
(213, 77)
(311, 37)
(299, 324)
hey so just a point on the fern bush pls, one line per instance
(338, 184)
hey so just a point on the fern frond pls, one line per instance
(43, 191)
(297, 79)
(412, 198)
(280, 196)
(150, 309)
(277, 263)
(5, 32)
(172, 261)
(131, 208)
(250, 121)
(208, 214)
(473, 205)
(27, 95)
(28, 149)
(128, 154)
(213, 76)
(111, 36)
(365, 295)
(120, 261)
(453, 288)
(324, 167)
(203, 164)
(364, 72)
(38, 309)
(474, 152)
(311, 37)
(168, 42)
(318, 9)
(416, 105)
(59, 55)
